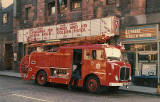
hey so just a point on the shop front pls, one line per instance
(141, 43)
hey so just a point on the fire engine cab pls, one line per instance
(101, 65)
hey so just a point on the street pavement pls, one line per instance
(18, 90)
(131, 88)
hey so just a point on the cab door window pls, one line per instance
(97, 54)
(87, 55)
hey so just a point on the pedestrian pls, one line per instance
(76, 75)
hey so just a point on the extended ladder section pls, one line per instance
(75, 41)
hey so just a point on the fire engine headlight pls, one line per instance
(116, 78)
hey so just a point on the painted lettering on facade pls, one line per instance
(104, 26)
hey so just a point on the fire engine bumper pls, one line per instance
(120, 84)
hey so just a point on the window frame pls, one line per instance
(5, 18)
(96, 56)
(50, 6)
(78, 8)
(27, 12)
(111, 2)
(60, 6)
(86, 57)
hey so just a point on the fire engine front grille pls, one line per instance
(124, 74)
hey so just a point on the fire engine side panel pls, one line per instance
(58, 61)
(96, 67)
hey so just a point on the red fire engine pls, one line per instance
(100, 64)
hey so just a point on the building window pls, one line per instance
(5, 18)
(76, 4)
(28, 13)
(110, 2)
(62, 5)
(51, 8)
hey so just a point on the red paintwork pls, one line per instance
(63, 59)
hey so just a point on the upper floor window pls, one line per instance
(5, 18)
(63, 5)
(28, 13)
(76, 4)
(110, 2)
(51, 8)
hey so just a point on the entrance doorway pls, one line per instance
(8, 56)
(77, 58)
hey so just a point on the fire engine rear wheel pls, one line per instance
(24, 67)
(41, 78)
(93, 84)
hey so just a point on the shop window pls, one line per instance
(110, 2)
(147, 57)
(76, 4)
(51, 8)
(5, 18)
(28, 13)
(154, 47)
(62, 5)
(87, 54)
(97, 54)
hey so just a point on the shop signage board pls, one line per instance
(140, 32)
(108, 26)
(149, 69)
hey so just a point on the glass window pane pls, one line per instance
(86, 54)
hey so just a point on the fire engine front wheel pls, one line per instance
(41, 78)
(93, 85)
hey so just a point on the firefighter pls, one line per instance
(76, 75)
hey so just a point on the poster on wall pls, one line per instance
(103, 26)
(20, 37)
(149, 69)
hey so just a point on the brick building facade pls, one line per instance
(6, 37)
(39, 13)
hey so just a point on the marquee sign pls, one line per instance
(108, 26)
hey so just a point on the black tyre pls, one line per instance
(41, 78)
(93, 85)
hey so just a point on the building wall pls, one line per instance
(6, 34)
(39, 12)
(131, 12)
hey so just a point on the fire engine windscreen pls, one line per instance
(113, 54)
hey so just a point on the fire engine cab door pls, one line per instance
(77, 59)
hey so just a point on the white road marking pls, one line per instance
(30, 98)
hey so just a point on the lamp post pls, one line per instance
(158, 48)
